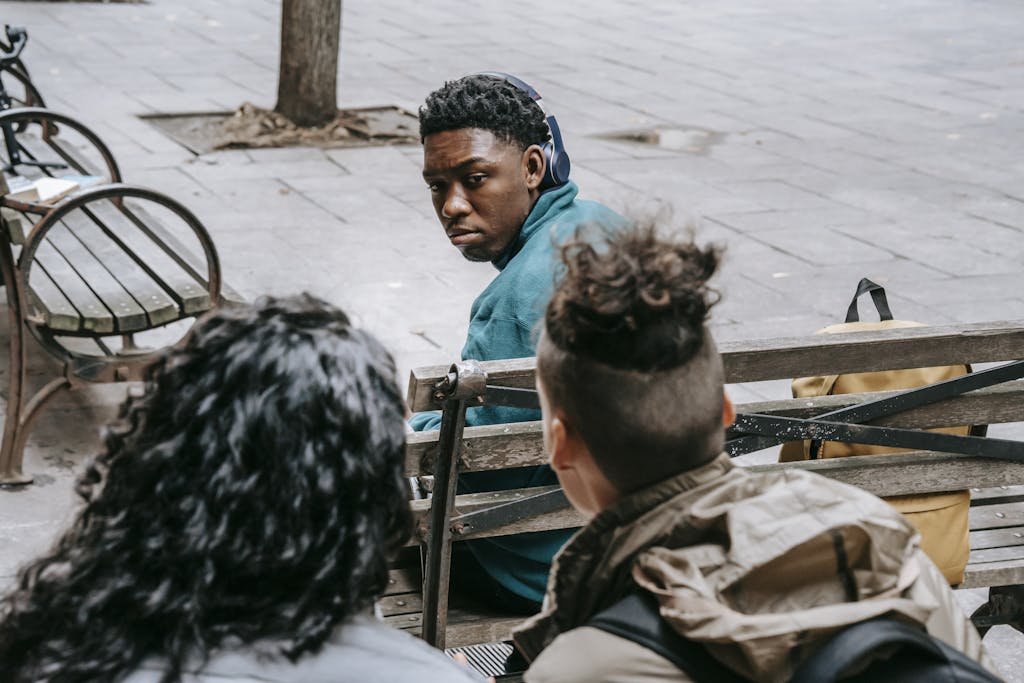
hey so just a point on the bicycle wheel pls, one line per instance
(19, 87)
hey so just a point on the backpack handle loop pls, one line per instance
(877, 295)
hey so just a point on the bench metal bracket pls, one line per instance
(1005, 606)
(891, 405)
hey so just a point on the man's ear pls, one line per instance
(534, 166)
(728, 411)
(561, 451)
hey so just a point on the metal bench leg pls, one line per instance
(1005, 606)
(10, 454)
(439, 536)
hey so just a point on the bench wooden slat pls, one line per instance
(996, 538)
(190, 293)
(911, 347)
(1003, 573)
(484, 448)
(985, 555)
(996, 495)
(150, 295)
(85, 346)
(401, 603)
(94, 317)
(997, 516)
(403, 580)
(128, 315)
(997, 557)
(900, 474)
(55, 308)
(883, 475)
(789, 357)
(492, 447)
(185, 257)
(464, 628)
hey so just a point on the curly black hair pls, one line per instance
(632, 299)
(485, 102)
(252, 492)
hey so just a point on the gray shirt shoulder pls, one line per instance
(362, 650)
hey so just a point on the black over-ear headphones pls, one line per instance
(557, 171)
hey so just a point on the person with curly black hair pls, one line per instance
(742, 574)
(485, 163)
(238, 524)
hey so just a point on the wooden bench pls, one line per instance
(87, 274)
(997, 513)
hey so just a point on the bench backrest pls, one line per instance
(496, 447)
(504, 446)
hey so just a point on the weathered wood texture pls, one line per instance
(465, 627)
(884, 475)
(757, 360)
(517, 445)
(484, 448)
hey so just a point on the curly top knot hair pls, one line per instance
(253, 492)
(485, 102)
(632, 299)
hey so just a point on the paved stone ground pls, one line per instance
(850, 139)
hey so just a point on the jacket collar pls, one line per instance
(550, 203)
(593, 570)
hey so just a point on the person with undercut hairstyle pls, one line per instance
(238, 526)
(748, 573)
(498, 179)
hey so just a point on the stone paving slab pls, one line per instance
(851, 139)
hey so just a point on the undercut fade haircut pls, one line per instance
(626, 355)
(488, 103)
(252, 493)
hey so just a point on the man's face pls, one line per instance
(483, 188)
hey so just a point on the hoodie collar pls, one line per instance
(550, 203)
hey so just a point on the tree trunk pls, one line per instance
(307, 87)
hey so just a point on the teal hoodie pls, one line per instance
(502, 325)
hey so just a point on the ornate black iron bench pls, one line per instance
(418, 599)
(85, 275)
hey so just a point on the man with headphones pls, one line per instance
(499, 179)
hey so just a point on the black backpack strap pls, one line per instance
(877, 295)
(636, 617)
(901, 652)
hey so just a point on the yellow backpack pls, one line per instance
(940, 518)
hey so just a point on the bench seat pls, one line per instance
(112, 268)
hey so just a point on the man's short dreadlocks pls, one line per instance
(488, 103)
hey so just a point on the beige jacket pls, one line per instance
(748, 563)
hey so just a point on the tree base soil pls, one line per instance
(254, 127)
